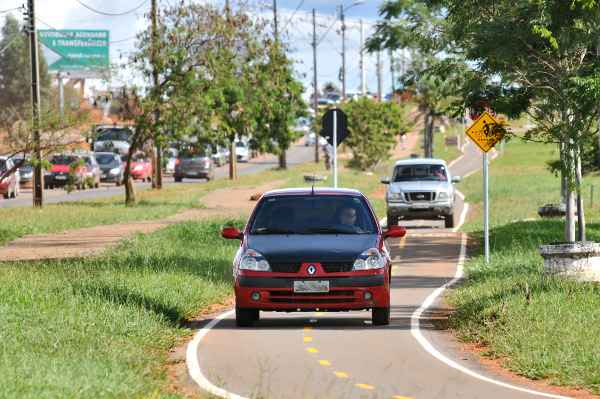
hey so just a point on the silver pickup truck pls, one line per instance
(420, 188)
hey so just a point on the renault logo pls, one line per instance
(311, 269)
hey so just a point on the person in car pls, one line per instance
(347, 219)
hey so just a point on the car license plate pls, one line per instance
(311, 286)
(421, 206)
(60, 177)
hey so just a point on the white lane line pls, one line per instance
(463, 217)
(415, 330)
(452, 163)
(191, 359)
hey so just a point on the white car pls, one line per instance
(310, 140)
(242, 151)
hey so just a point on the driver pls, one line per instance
(347, 216)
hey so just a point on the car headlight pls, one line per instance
(369, 260)
(395, 196)
(138, 168)
(442, 195)
(114, 171)
(253, 260)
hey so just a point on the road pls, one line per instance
(297, 154)
(341, 355)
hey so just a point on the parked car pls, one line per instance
(194, 167)
(111, 167)
(25, 171)
(310, 140)
(113, 138)
(309, 249)
(141, 168)
(170, 156)
(58, 175)
(220, 156)
(9, 184)
(93, 173)
(242, 151)
(421, 189)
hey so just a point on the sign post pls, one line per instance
(486, 133)
(335, 130)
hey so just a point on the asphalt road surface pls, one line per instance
(341, 355)
(297, 154)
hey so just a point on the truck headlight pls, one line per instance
(369, 260)
(395, 196)
(254, 260)
(442, 195)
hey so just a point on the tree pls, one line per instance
(374, 127)
(15, 81)
(542, 55)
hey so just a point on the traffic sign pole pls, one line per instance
(486, 208)
(335, 173)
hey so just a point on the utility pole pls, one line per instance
(393, 72)
(232, 152)
(343, 19)
(283, 155)
(379, 78)
(275, 20)
(158, 158)
(315, 84)
(38, 186)
(363, 69)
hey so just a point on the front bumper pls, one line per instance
(195, 174)
(420, 210)
(345, 293)
(109, 178)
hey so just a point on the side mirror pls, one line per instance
(394, 232)
(385, 180)
(231, 233)
(456, 179)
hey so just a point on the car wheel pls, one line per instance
(392, 220)
(178, 179)
(449, 221)
(97, 185)
(246, 317)
(149, 179)
(7, 195)
(380, 316)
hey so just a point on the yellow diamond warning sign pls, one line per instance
(485, 132)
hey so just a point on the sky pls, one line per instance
(295, 22)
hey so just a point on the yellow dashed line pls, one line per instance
(312, 350)
(401, 397)
(402, 242)
(307, 328)
(319, 314)
(340, 374)
(325, 363)
(365, 386)
(308, 339)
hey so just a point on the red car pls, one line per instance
(312, 249)
(58, 176)
(9, 185)
(141, 168)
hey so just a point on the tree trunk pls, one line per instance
(158, 173)
(283, 160)
(430, 136)
(153, 159)
(425, 137)
(581, 233)
(570, 217)
(563, 177)
(129, 187)
(232, 161)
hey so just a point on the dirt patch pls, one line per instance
(79, 243)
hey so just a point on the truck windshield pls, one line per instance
(420, 173)
(313, 214)
(114, 134)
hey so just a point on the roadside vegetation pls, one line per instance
(101, 327)
(539, 327)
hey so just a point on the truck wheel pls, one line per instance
(178, 179)
(246, 317)
(392, 220)
(380, 316)
(449, 221)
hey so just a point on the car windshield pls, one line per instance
(420, 173)
(313, 214)
(115, 134)
(240, 145)
(106, 159)
(63, 160)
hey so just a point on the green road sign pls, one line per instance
(76, 51)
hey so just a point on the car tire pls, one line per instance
(449, 221)
(392, 220)
(178, 179)
(246, 317)
(97, 185)
(380, 316)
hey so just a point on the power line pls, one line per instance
(293, 15)
(112, 14)
(14, 39)
(11, 9)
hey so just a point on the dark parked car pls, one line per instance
(309, 249)
(194, 167)
(111, 166)
(25, 170)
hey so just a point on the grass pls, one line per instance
(540, 327)
(441, 149)
(101, 327)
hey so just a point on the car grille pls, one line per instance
(337, 267)
(421, 196)
(328, 267)
(341, 296)
(285, 267)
